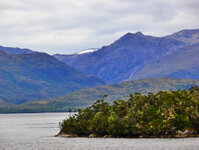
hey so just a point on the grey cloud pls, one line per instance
(65, 26)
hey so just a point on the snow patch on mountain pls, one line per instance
(87, 51)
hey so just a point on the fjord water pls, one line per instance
(36, 132)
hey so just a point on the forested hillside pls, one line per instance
(37, 76)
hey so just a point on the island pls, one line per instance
(164, 114)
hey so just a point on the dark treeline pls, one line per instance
(164, 113)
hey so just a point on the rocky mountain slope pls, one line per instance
(183, 63)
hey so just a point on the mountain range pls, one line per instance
(162, 63)
(134, 55)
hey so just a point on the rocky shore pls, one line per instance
(65, 135)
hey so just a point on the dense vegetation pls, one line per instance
(164, 113)
(85, 97)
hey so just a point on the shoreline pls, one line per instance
(64, 135)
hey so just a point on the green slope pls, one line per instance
(85, 97)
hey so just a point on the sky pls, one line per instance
(69, 26)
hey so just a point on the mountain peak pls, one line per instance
(139, 33)
(133, 34)
(129, 35)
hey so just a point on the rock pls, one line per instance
(66, 135)
(186, 132)
(92, 136)
(107, 136)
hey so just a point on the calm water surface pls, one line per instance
(36, 132)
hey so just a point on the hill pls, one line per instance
(16, 50)
(85, 97)
(36, 76)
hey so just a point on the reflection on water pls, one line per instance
(36, 132)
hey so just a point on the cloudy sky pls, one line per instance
(68, 26)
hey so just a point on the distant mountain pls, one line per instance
(186, 36)
(120, 60)
(12, 50)
(36, 76)
(85, 97)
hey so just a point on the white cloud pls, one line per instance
(65, 26)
